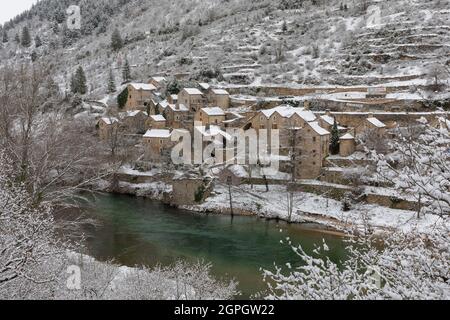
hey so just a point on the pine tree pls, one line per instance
(17, 38)
(284, 27)
(78, 82)
(126, 72)
(37, 41)
(26, 38)
(5, 37)
(334, 142)
(81, 81)
(111, 82)
(116, 40)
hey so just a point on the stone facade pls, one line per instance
(210, 116)
(107, 127)
(219, 98)
(157, 145)
(139, 94)
(347, 145)
(190, 190)
(134, 121)
(192, 98)
(156, 122)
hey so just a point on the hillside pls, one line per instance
(290, 43)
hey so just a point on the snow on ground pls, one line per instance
(313, 208)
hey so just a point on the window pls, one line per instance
(160, 141)
(314, 139)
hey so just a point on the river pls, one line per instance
(136, 231)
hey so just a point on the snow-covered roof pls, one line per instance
(318, 129)
(158, 133)
(159, 79)
(178, 107)
(347, 136)
(377, 123)
(132, 113)
(109, 120)
(220, 92)
(328, 119)
(288, 111)
(143, 86)
(193, 91)
(174, 96)
(214, 111)
(204, 85)
(158, 118)
(164, 104)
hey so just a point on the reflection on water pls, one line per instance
(137, 231)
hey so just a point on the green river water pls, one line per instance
(136, 231)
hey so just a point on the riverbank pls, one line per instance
(327, 214)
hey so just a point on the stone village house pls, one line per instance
(156, 121)
(192, 98)
(219, 98)
(311, 140)
(107, 126)
(139, 94)
(210, 116)
(134, 121)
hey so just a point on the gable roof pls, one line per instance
(318, 129)
(158, 133)
(377, 123)
(164, 104)
(178, 108)
(158, 118)
(193, 91)
(348, 136)
(159, 79)
(286, 111)
(328, 119)
(143, 86)
(214, 111)
(204, 85)
(220, 92)
(109, 120)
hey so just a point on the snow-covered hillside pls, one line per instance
(335, 42)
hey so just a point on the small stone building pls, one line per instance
(107, 126)
(139, 94)
(219, 97)
(134, 121)
(210, 116)
(192, 98)
(177, 116)
(157, 145)
(347, 145)
(156, 121)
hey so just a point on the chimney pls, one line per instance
(328, 112)
(177, 107)
(370, 115)
(207, 127)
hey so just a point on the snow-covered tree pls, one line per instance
(396, 265)
(26, 38)
(5, 38)
(28, 238)
(78, 82)
(116, 40)
(420, 166)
